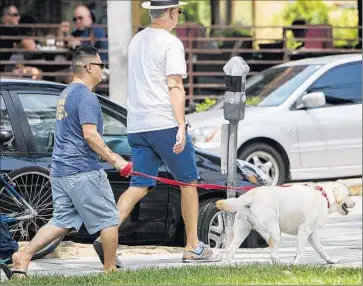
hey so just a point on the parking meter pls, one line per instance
(234, 106)
(235, 97)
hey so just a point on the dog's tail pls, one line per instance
(229, 205)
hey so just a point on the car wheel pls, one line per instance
(33, 185)
(212, 230)
(268, 159)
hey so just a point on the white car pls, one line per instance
(308, 125)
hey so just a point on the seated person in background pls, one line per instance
(84, 20)
(10, 16)
(299, 33)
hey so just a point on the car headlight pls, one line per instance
(204, 134)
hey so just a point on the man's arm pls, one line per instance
(177, 98)
(95, 141)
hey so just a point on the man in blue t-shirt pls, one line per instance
(80, 188)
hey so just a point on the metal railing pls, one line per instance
(205, 55)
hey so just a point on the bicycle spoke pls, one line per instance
(41, 200)
(37, 198)
(35, 191)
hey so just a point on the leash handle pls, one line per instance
(127, 170)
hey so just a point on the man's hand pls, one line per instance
(119, 163)
(180, 140)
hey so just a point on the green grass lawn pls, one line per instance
(252, 274)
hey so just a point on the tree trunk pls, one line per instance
(216, 13)
(360, 22)
(229, 13)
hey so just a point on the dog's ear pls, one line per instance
(339, 194)
(229, 205)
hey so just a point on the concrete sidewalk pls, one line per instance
(341, 236)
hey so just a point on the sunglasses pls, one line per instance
(13, 14)
(77, 18)
(101, 65)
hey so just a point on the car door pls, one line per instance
(330, 137)
(147, 221)
(13, 150)
(38, 113)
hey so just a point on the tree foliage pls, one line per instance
(313, 12)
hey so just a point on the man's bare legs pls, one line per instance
(49, 233)
(190, 210)
(189, 206)
(128, 200)
(109, 238)
(44, 236)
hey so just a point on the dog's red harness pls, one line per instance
(320, 189)
(127, 171)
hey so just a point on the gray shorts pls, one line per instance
(84, 197)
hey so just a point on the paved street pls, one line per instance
(342, 238)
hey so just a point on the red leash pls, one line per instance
(127, 171)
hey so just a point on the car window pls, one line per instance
(40, 110)
(8, 143)
(341, 85)
(115, 133)
(275, 85)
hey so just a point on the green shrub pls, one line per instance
(205, 105)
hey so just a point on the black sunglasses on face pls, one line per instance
(13, 14)
(101, 65)
(77, 18)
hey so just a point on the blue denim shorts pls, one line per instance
(84, 198)
(151, 148)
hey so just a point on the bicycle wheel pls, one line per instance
(33, 184)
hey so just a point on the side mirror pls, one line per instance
(6, 136)
(311, 100)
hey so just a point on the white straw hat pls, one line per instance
(162, 4)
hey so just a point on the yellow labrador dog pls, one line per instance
(296, 210)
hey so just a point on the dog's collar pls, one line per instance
(320, 189)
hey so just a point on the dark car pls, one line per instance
(28, 109)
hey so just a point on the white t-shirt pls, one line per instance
(153, 54)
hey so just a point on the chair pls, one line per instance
(318, 31)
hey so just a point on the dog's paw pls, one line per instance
(332, 261)
(220, 205)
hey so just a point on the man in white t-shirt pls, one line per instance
(156, 119)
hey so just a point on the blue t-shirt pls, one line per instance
(72, 154)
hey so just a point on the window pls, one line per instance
(341, 85)
(275, 85)
(8, 143)
(115, 133)
(40, 110)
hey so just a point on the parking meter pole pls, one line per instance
(234, 109)
(232, 176)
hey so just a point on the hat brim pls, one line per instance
(147, 5)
